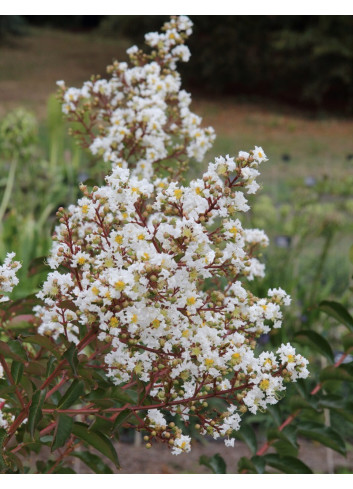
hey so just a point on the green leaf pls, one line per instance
(288, 465)
(315, 340)
(333, 402)
(71, 357)
(76, 389)
(259, 463)
(93, 462)
(38, 265)
(50, 366)
(17, 349)
(338, 312)
(125, 396)
(323, 434)
(122, 418)
(99, 441)
(247, 434)
(347, 341)
(215, 463)
(275, 434)
(42, 341)
(284, 448)
(178, 258)
(35, 410)
(62, 431)
(299, 402)
(246, 465)
(335, 373)
(3, 435)
(8, 353)
(17, 371)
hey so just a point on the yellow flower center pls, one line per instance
(118, 239)
(185, 333)
(114, 322)
(134, 318)
(95, 290)
(209, 362)
(156, 323)
(141, 237)
(84, 209)
(233, 230)
(290, 358)
(120, 285)
(190, 301)
(81, 260)
(264, 384)
(178, 193)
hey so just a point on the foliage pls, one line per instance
(12, 25)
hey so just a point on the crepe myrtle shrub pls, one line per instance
(146, 315)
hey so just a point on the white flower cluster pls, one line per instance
(160, 268)
(8, 279)
(139, 254)
(144, 118)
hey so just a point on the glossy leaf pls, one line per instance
(8, 353)
(75, 390)
(288, 465)
(338, 312)
(247, 434)
(71, 357)
(97, 440)
(42, 341)
(347, 341)
(285, 449)
(62, 431)
(3, 435)
(35, 410)
(335, 373)
(120, 419)
(259, 463)
(17, 371)
(215, 463)
(17, 349)
(125, 396)
(94, 462)
(245, 465)
(315, 340)
(323, 434)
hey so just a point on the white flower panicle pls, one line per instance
(8, 279)
(138, 254)
(140, 118)
(161, 269)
